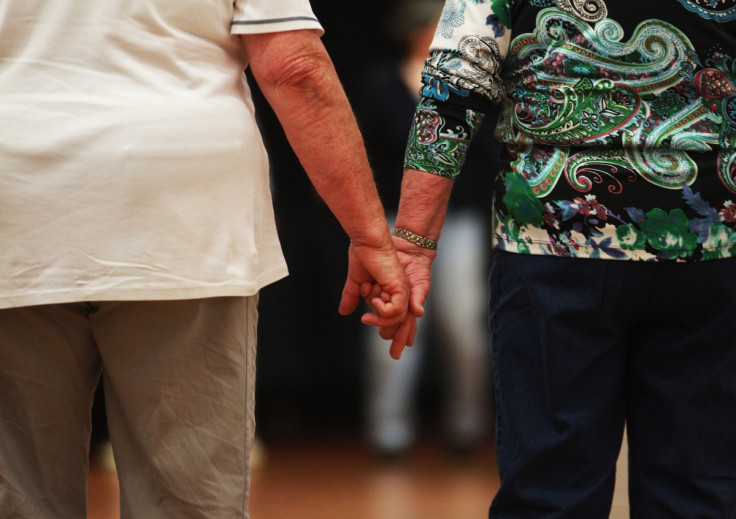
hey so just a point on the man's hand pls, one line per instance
(375, 274)
(417, 263)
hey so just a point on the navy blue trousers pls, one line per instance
(583, 348)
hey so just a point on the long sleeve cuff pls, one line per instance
(445, 122)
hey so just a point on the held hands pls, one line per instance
(375, 274)
(417, 263)
(394, 283)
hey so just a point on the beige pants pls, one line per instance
(179, 388)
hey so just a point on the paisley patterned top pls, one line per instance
(619, 124)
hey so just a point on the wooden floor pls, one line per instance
(344, 479)
(331, 482)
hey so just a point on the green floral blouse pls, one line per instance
(619, 124)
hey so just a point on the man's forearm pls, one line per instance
(307, 97)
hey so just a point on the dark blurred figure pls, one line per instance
(385, 102)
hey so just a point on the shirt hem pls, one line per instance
(140, 293)
(537, 248)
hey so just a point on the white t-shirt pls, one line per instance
(131, 166)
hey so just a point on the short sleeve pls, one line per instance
(259, 16)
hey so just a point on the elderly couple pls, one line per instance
(136, 230)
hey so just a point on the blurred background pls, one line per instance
(343, 431)
(313, 367)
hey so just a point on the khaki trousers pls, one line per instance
(179, 386)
